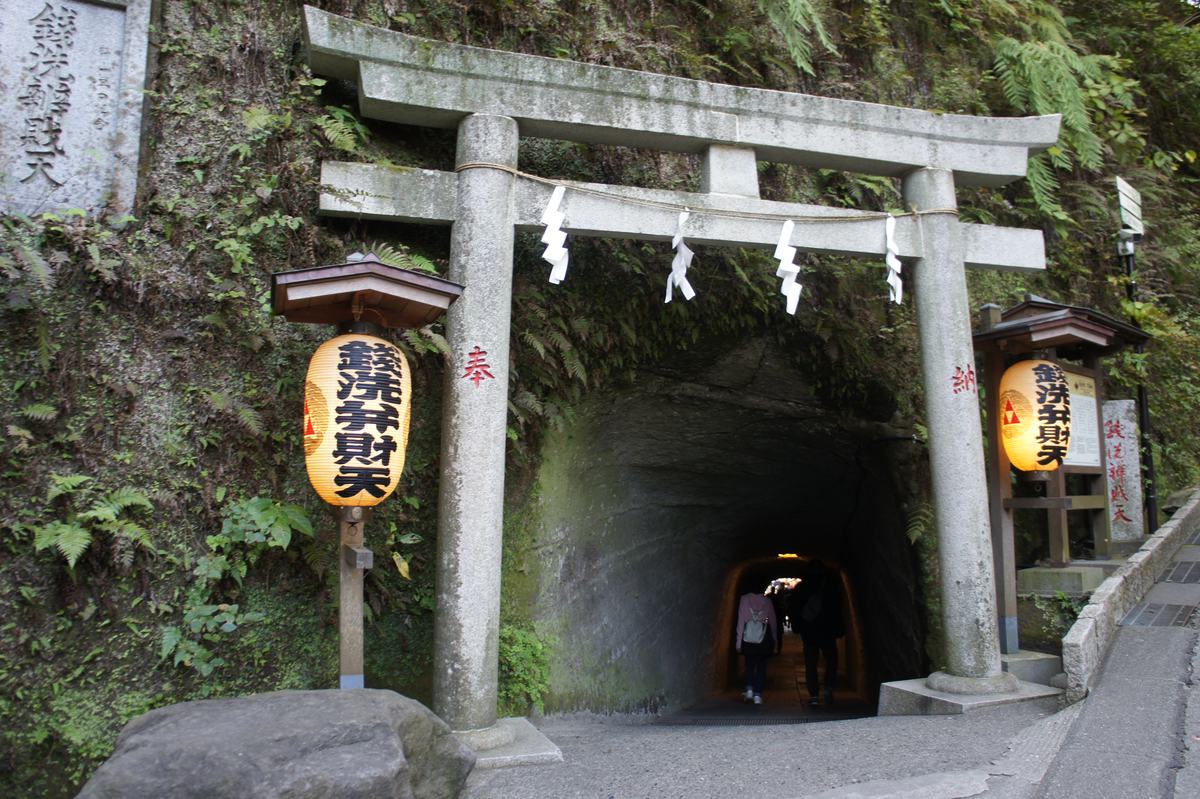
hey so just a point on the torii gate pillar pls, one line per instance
(466, 629)
(955, 446)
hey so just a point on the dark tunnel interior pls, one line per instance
(661, 505)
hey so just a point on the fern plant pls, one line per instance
(1041, 70)
(91, 513)
(399, 256)
(39, 412)
(797, 21)
(342, 130)
(920, 522)
(247, 417)
(1048, 78)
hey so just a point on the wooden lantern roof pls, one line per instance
(365, 290)
(1039, 323)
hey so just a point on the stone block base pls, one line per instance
(523, 745)
(915, 698)
(1069, 580)
(1035, 667)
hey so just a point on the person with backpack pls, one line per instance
(757, 640)
(816, 613)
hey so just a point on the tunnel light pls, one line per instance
(787, 555)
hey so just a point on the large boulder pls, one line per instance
(358, 744)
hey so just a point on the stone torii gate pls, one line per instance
(493, 98)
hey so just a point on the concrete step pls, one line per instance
(1034, 667)
(915, 698)
(1068, 579)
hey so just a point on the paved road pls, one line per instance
(1136, 736)
(1139, 729)
(628, 758)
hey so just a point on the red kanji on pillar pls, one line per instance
(963, 380)
(477, 366)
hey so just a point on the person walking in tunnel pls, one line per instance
(816, 613)
(757, 639)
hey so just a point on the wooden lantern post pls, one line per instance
(1076, 339)
(362, 296)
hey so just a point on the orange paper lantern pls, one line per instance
(357, 406)
(1035, 415)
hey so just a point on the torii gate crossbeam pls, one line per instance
(493, 98)
(367, 191)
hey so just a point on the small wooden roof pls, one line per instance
(1039, 323)
(366, 289)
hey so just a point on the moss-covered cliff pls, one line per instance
(160, 541)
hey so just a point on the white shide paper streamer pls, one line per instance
(679, 266)
(555, 237)
(895, 284)
(787, 268)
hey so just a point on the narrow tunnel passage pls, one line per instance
(657, 507)
(787, 695)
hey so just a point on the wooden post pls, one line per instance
(999, 491)
(350, 589)
(1060, 535)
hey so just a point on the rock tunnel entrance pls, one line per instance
(658, 506)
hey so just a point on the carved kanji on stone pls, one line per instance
(963, 380)
(477, 366)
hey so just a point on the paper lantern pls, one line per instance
(1035, 415)
(357, 406)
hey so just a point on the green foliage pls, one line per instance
(920, 524)
(342, 130)
(400, 256)
(1049, 77)
(252, 527)
(91, 513)
(1059, 612)
(255, 525)
(798, 21)
(39, 412)
(524, 670)
(71, 540)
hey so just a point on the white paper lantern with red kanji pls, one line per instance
(1035, 415)
(357, 407)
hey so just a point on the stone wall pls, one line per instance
(1086, 643)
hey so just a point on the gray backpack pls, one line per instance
(755, 630)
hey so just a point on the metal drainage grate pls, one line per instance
(1153, 614)
(1184, 571)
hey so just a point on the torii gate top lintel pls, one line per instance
(573, 101)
